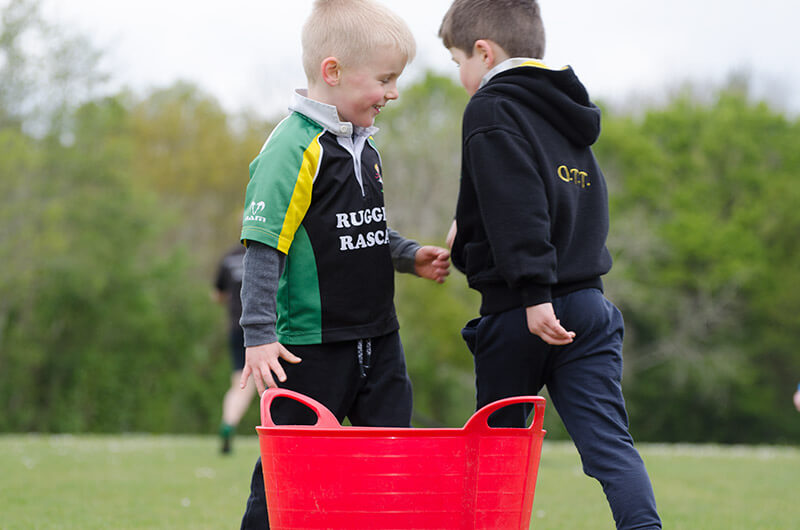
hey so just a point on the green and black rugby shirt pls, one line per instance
(316, 195)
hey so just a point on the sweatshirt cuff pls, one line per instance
(258, 335)
(404, 252)
(535, 294)
(407, 261)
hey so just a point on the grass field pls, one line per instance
(140, 481)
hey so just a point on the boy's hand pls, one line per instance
(261, 361)
(543, 323)
(432, 263)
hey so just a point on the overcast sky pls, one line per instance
(247, 52)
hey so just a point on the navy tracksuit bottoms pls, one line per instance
(584, 382)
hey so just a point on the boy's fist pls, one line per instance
(432, 263)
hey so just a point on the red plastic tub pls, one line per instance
(334, 477)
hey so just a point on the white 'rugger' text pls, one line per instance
(362, 218)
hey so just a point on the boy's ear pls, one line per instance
(331, 71)
(486, 52)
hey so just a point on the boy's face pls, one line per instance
(363, 90)
(470, 69)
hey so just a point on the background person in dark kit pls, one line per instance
(227, 290)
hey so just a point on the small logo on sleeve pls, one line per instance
(255, 208)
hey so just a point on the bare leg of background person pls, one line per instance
(234, 405)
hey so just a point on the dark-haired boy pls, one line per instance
(530, 233)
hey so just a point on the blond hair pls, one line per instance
(349, 30)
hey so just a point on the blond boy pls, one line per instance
(318, 274)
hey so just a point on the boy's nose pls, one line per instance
(392, 92)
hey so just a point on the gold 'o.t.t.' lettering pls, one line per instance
(575, 176)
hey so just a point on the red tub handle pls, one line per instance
(480, 420)
(325, 417)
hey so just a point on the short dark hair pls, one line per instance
(514, 25)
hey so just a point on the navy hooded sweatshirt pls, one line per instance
(532, 210)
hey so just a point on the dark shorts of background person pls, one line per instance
(584, 381)
(364, 380)
(237, 349)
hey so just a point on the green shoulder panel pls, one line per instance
(281, 179)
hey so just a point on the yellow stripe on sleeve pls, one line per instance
(301, 196)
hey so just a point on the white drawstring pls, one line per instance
(363, 362)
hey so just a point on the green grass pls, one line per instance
(698, 487)
(140, 481)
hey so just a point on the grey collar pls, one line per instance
(326, 115)
(508, 64)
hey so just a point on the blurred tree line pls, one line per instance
(114, 211)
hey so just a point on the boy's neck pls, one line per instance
(319, 93)
(326, 115)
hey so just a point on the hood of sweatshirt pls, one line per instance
(556, 95)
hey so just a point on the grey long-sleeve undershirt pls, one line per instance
(263, 266)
